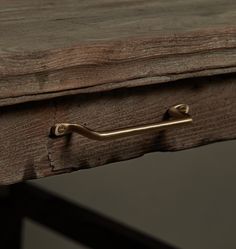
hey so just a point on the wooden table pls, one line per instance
(108, 65)
(105, 66)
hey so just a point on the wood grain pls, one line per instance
(27, 151)
(59, 48)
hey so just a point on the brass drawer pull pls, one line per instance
(177, 115)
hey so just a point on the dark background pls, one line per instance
(186, 198)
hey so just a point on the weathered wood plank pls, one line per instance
(50, 49)
(55, 24)
(26, 150)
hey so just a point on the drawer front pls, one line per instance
(27, 151)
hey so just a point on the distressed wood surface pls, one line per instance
(102, 62)
(57, 48)
(27, 151)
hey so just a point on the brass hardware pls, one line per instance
(178, 115)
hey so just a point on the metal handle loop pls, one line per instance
(177, 115)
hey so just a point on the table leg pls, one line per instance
(10, 221)
(80, 224)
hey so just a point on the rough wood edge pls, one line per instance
(139, 50)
